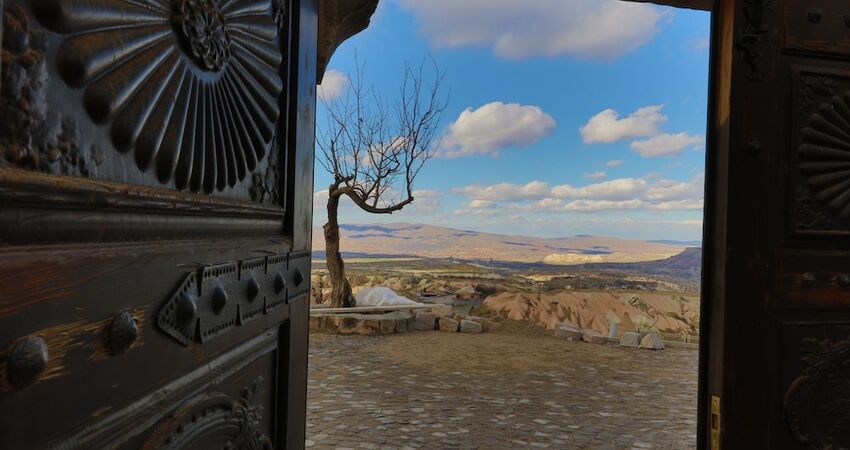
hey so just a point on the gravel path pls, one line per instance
(435, 390)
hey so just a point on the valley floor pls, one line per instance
(503, 390)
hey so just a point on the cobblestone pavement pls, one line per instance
(405, 391)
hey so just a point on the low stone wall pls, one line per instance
(441, 318)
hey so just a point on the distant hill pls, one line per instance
(684, 266)
(438, 242)
(680, 243)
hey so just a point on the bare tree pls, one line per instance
(375, 149)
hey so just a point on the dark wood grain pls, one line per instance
(84, 247)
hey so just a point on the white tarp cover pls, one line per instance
(381, 296)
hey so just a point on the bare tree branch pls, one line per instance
(375, 149)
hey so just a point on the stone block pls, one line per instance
(448, 325)
(388, 326)
(592, 337)
(442, 310)
(568, 333)
(468, 326)
(401, 325)
(347, 325)
(631, 339)
(425, 321)
(652, 341)
(369, 326)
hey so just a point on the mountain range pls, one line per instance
(404, 239)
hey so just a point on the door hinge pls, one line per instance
(715, 422)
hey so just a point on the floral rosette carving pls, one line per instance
(190, 87)
(817, 405)
(203, 27)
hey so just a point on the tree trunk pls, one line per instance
(341, 289)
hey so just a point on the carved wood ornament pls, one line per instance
(817, 405)
(191, 87)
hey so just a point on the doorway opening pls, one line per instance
(555, 238)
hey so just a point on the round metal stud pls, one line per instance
(26, 361)
(808, 280)
(219, 298)
(187, 308)
(844, 281)
(253, 289)
(279, 283)
(298, 278)
(123, 333)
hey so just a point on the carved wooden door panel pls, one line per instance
(155, 215)
(778, 236)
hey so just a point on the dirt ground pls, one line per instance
(513, 389)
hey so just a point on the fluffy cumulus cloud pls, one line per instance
(614, 163)
(494, 127)
(505, 191)
(667, 144)
(607, 126)
(595, 175)
(333, 85)
(619, 189)
(595, 29)
(649, 193)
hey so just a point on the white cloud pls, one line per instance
(607, 126)
(603, 205)
(595, 175)
(648, 193)
(505, 191)
(667, 144)
(494, 127)
(619, 189)
(598, 29)
(481, 204)
(426, 201)
(333, 85)
(665, 190)
(614, 163)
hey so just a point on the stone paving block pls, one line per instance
(468, 326)
(425, 321)
(448, 325)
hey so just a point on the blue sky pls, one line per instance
(565, 117)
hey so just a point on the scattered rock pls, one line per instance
(631, 339)
(425, 321)
(569, 333)
(652, 342)
(592, 337)
(449, 325)
(459, 317)
(468, 326)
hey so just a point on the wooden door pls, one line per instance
(156, 166)
(776, 367)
